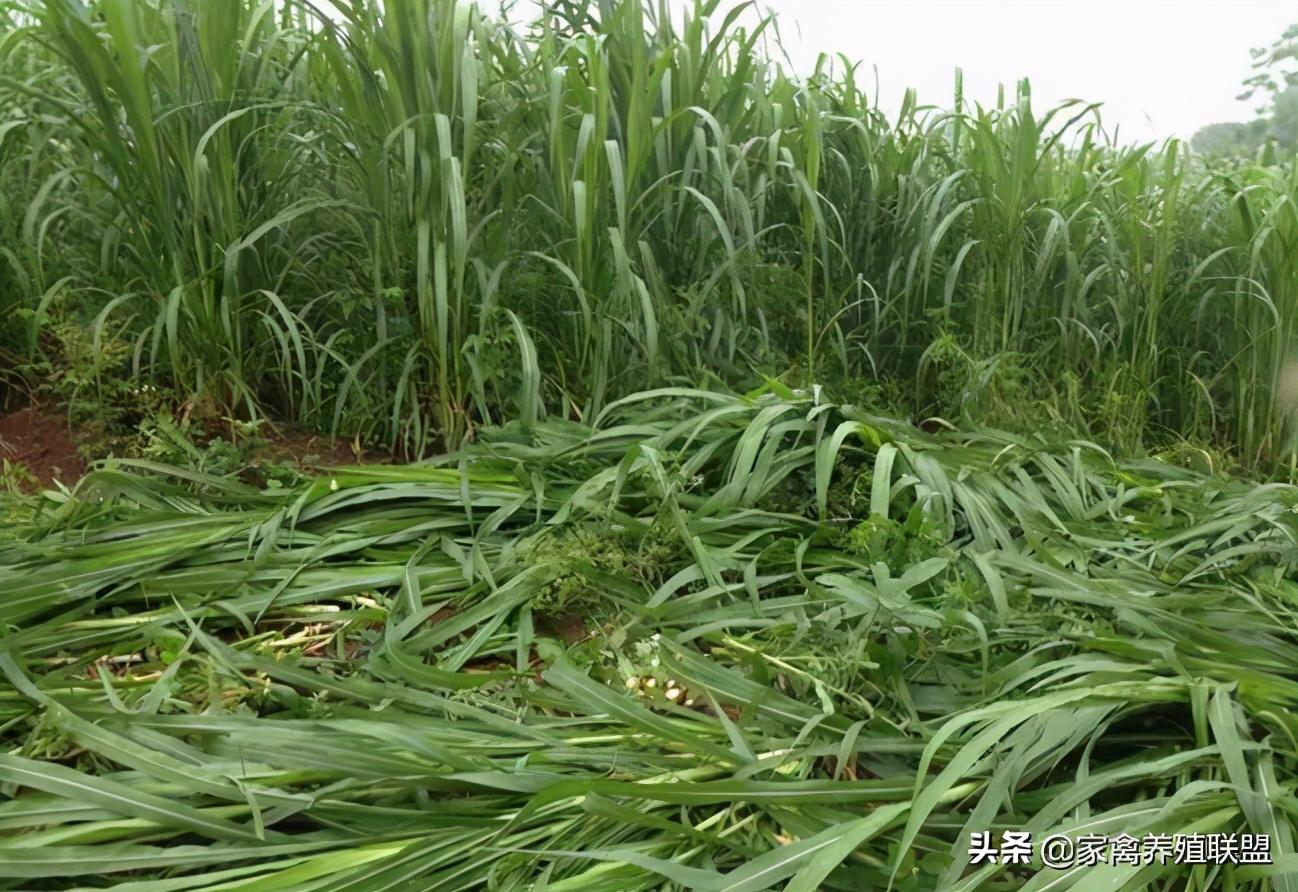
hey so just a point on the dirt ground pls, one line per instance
(311, 451)
(39, 440)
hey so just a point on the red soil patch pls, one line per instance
(571, 628)
(39, 440)
(310, 451)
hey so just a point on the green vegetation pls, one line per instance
(1275, 130)
(408, 224)
(674, 599)
(810, 645)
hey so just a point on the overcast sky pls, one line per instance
(1160, 67)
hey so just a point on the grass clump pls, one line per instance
(896, 543)
(587, 565)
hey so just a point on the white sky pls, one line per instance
(1160, 67)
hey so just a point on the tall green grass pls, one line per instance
(409, 221)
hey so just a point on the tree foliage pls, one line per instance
(1275, 75)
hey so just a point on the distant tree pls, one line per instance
(1275, 74)
(1231, 138)
(1275, 67)
(1284, 118)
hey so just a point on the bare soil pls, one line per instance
(38, 439)
(312, 451)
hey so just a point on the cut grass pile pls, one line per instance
(706, 642)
